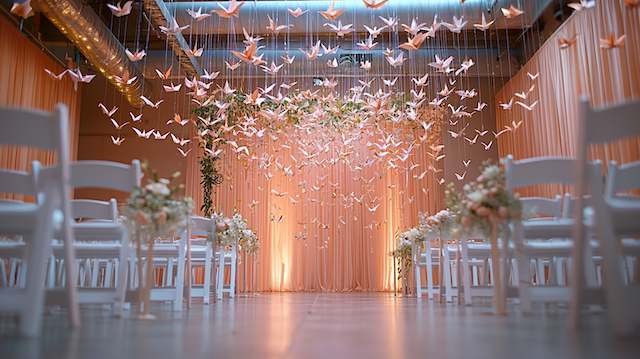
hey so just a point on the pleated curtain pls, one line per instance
(606, 76)
(25, 84)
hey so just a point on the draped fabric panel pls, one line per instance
(315, 238)
(605, 76)
(26, 85)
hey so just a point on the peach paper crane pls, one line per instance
(120, 10)
(374, 4)
(331, 13)
(232, 10)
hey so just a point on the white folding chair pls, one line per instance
(99, 235)
(172, 255)
(476, 269)
(202, 253)
(35, 221)
(226, 258)
(620, 180)
(615, 218)
(547, 236)
(426, 256)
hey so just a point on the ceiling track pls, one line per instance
(161, 16)
(85, 29)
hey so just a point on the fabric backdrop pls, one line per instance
(322, 242)
(26, 85)
(606, 76)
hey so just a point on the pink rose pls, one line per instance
(161, 218)
(483, 211)
(141, 218)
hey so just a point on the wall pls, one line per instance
(96, 130)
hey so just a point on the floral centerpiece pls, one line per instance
(486, 203)
(155, 210)
(235, 230)
(439, 223)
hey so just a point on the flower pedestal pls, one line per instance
(145, 274)
(499, 298)
(404, 275)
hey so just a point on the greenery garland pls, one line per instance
(297, 106)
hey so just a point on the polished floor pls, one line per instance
(305, 325)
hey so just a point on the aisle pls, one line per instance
(297, 325)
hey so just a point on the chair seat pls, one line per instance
(17, 217)
(12, 248)
(625, 213)
(98, 231)
(546, 229)
(89, 250)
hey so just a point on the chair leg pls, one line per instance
(617, 301)
(13, 272)
(95, 270)
(177, 304)
(234, 267)
(22, 274)
(108, 274)
(70, 260)
(169, 281)
(207, 275)
(121, 288)
(51, 272)
(524, 269)
(220, 279)
(446, 277)
(3, 274)
(38, 251)
(540, 278)
(590, 272)
(416, 275)
(466, 283)
(429, 255)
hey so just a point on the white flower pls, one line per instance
(475, 196)
(414, 233)
(158, 188)
(491, 172)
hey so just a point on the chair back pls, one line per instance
(539, 170)
(90, 209)
(106, 175)
(611, 123)
(103, 175)
(18, 182)
(622, 178)
(202, 226)
(542, 207)
(39, 130)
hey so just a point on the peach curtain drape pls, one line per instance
(24, 84)
(606, 76)
(346, 245)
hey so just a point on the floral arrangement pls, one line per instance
(439, 222)
(486, 202)
(157, 207)
(403, 249)
(235, 230)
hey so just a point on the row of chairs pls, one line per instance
(80, 251)
(576, 249)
